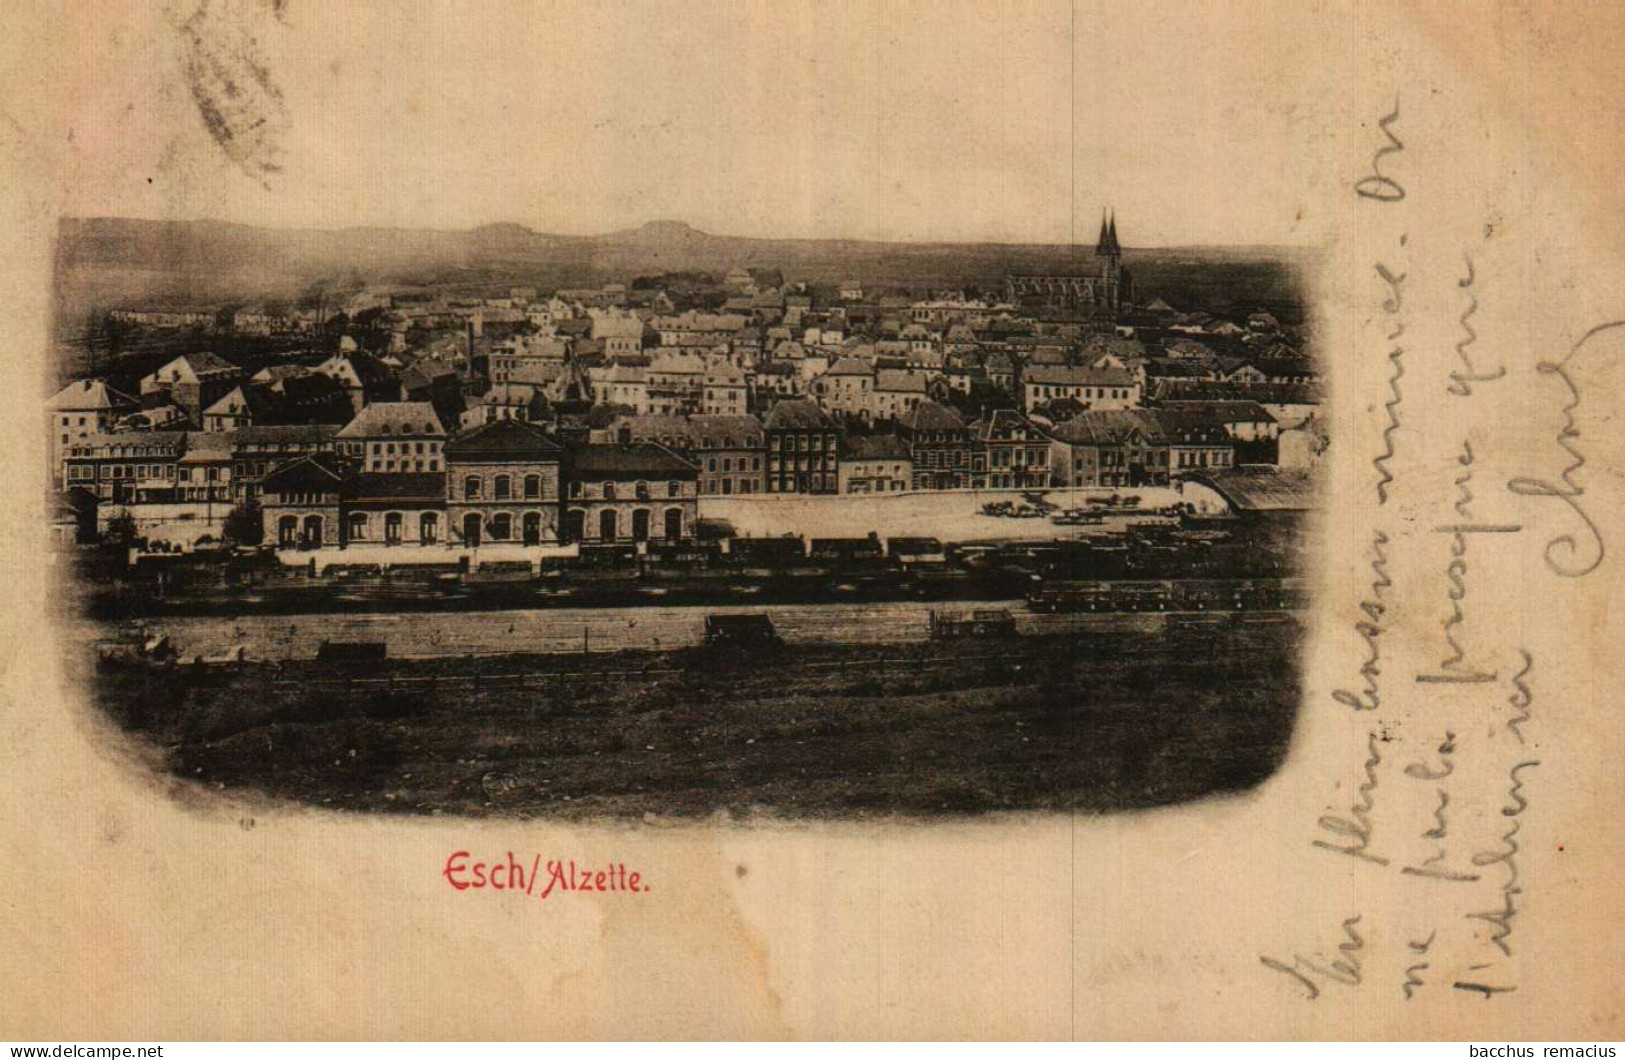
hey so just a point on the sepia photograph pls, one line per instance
(669, 523)
(810, 519)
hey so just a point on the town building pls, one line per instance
(637, 493)
(126, 467)
(847, 387)
(299, 502)
(192, 381)
(875, 463)
(729, 451)
(1111, 447)
(725, 391)
(81, 409)
(394, 436)
(802, 449)
(897, 391)
(257, 451)
(1017, 453)
(364, 379)
(204, 469)
(1094, 388)
(394, 508)
(940, 445)
(622, 385)
(502, 484)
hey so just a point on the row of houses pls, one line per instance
(507, 482)
(395, 475)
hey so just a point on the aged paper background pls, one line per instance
(134, 910)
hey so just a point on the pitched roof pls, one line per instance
(322, 470)
(900, 380)
(1111, 427)
(308, 433)
(1046, 375)
(798, 414)
(89, 394)
(997, 418)
(203, 447)
(503, 441)
(1263, 393)
(638, 460)
(174, 440)
(851, 366)
(874, 447)
(203, 362)
(692, 432)
(410, 418)
(1222, 411)
(932, 416)
(255, 399)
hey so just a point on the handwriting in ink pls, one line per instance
(1309, 973)
(1451, 669)
(1463, 378)
(1522, 696)
(1370, 629)
(1377, 184)
(1564, 554)
(1357, 826)
(1413, 977)
(1391, 304)
(1432, 867)
(1506, 856)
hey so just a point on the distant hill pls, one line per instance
(103, 262)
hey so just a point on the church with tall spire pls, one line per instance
(1108, 289)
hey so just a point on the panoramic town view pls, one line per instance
(666, 524)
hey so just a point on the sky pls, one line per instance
(935, 121)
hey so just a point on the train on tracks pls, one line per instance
(1211, 595)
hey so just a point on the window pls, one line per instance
(471, 488)
(501, 527)
(609, 491)
(504, 490)
(533, 487)
(642, 490)
(674, 488)
(575, 491)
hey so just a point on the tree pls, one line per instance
(243, 525)
(121, 528)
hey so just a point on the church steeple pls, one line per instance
(1107, 246)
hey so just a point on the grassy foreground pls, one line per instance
(1111, 721)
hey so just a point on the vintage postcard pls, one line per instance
(812, 520)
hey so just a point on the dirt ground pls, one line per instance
(1106, 722)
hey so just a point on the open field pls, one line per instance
(1104, 721)
(947, 515)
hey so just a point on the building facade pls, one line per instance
(802, 449)
(502, 485)
(630, 493)
(1017, 453)
(394, 437)
(877, 463)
